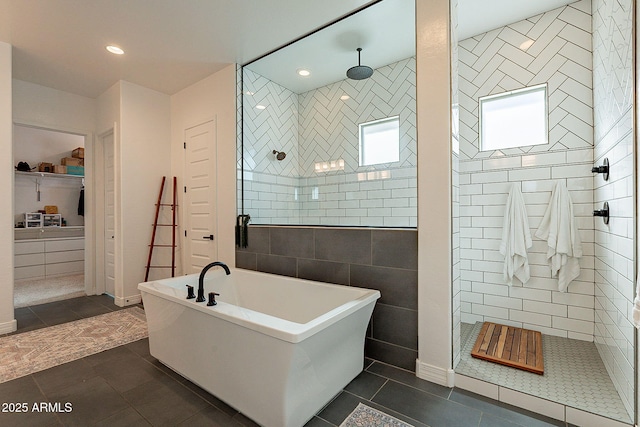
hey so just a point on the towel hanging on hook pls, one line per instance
(559, 229)
(516, 238)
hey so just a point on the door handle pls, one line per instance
(209, 237)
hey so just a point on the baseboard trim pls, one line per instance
(8, 327)
(126, 301)
(435, 374)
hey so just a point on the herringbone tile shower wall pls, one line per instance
(559, 54)
(321, 126)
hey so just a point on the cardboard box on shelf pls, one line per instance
(72, 161)
(59, 169)
(51, 209)
(45, 167)
(78, 153)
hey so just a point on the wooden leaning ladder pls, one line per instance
(173, 225)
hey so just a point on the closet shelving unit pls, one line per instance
(39, 176)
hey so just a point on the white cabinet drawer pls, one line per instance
(28, 248)
(64, 245)
(64, 268)
(28, 259)
(66, 256)
(28, 272)
(49, 257)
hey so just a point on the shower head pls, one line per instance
(359, 72)
(280, 155)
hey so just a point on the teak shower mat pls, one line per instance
(510, 346)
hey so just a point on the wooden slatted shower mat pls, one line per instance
(510, 346)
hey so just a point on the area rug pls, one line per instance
(365, 416)
(29, 352)
(27, 292)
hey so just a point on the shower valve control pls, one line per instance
(604, 213)
(603, 169)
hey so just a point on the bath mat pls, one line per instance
(365, 416)
(29, 352)
(510, 346)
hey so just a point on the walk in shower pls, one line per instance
(582, 53)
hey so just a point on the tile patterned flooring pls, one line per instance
(565, 362)
(126, 386)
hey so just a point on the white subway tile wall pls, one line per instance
(585, 57)
(304, 126)
(614, 244)
(559, 54)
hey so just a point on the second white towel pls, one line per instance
(516, 238)
(559, 229)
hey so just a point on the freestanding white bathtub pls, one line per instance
(275, 348)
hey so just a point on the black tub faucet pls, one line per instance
(201, 279)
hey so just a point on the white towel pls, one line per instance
(558, 228)
(636, 306)
(516, 238)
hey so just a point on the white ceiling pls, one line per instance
(384, 31)
(479, 16)
(171, 44)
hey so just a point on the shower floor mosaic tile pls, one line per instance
(574, 375)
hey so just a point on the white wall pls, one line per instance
(455, 182)
(50, 108)
(433, 80)
(144, 158)
(34, 145)
(213, 97)
(108, 109)
(140, 119)
(7, 320)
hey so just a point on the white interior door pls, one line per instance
(109, 215)
(201, 246)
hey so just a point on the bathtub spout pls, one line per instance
(201, 279)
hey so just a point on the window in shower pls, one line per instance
(514, 119)
(380, 141)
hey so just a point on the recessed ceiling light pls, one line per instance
(304, 73)
(115, 50)
(260, 107)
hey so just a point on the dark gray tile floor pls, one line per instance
(126, 386)
(54, 313)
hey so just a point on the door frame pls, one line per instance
(99, 278)
(89, 211)
(98, 202)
